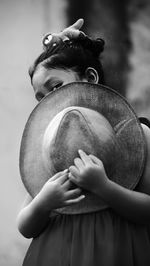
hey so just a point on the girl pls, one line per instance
(118, 235)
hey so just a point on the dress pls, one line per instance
(101, 238)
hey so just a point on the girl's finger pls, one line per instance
(77, 25)
(78, 163)
(72, 31)
(67, 184)
(74, 170)
(62, 179)
(58, 175)
(70, 34)
(72, 178)
(73, 201)
(74, 193)
(95, 159)
(85, 158)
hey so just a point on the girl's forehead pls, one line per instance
(39, 74)
(42, 74)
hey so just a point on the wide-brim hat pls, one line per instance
(85, 116)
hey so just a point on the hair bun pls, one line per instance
(98, 46)
(95, 46)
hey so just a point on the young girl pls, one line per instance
(116, 236)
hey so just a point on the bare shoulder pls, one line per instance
(146, 130)
(144, 184)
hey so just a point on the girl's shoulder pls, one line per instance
(144, 121)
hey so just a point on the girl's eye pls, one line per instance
(57, 85)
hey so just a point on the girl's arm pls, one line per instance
(89, 173)
(56, 193)
(32, 219)
(134, 205)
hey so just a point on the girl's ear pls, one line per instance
(91, 75)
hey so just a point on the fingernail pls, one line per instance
(65, 171)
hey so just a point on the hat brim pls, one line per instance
(96, 97)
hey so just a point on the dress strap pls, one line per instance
(145, 121)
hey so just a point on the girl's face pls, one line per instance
(48, 80)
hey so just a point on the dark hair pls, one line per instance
(75, 54)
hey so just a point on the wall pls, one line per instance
(22, 23)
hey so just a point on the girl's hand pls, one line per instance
(55, 192)
(73, 31)
(88, 172)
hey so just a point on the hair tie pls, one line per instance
(50, 40)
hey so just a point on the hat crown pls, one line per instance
(77, 128)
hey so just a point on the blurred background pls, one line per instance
(125, 26)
